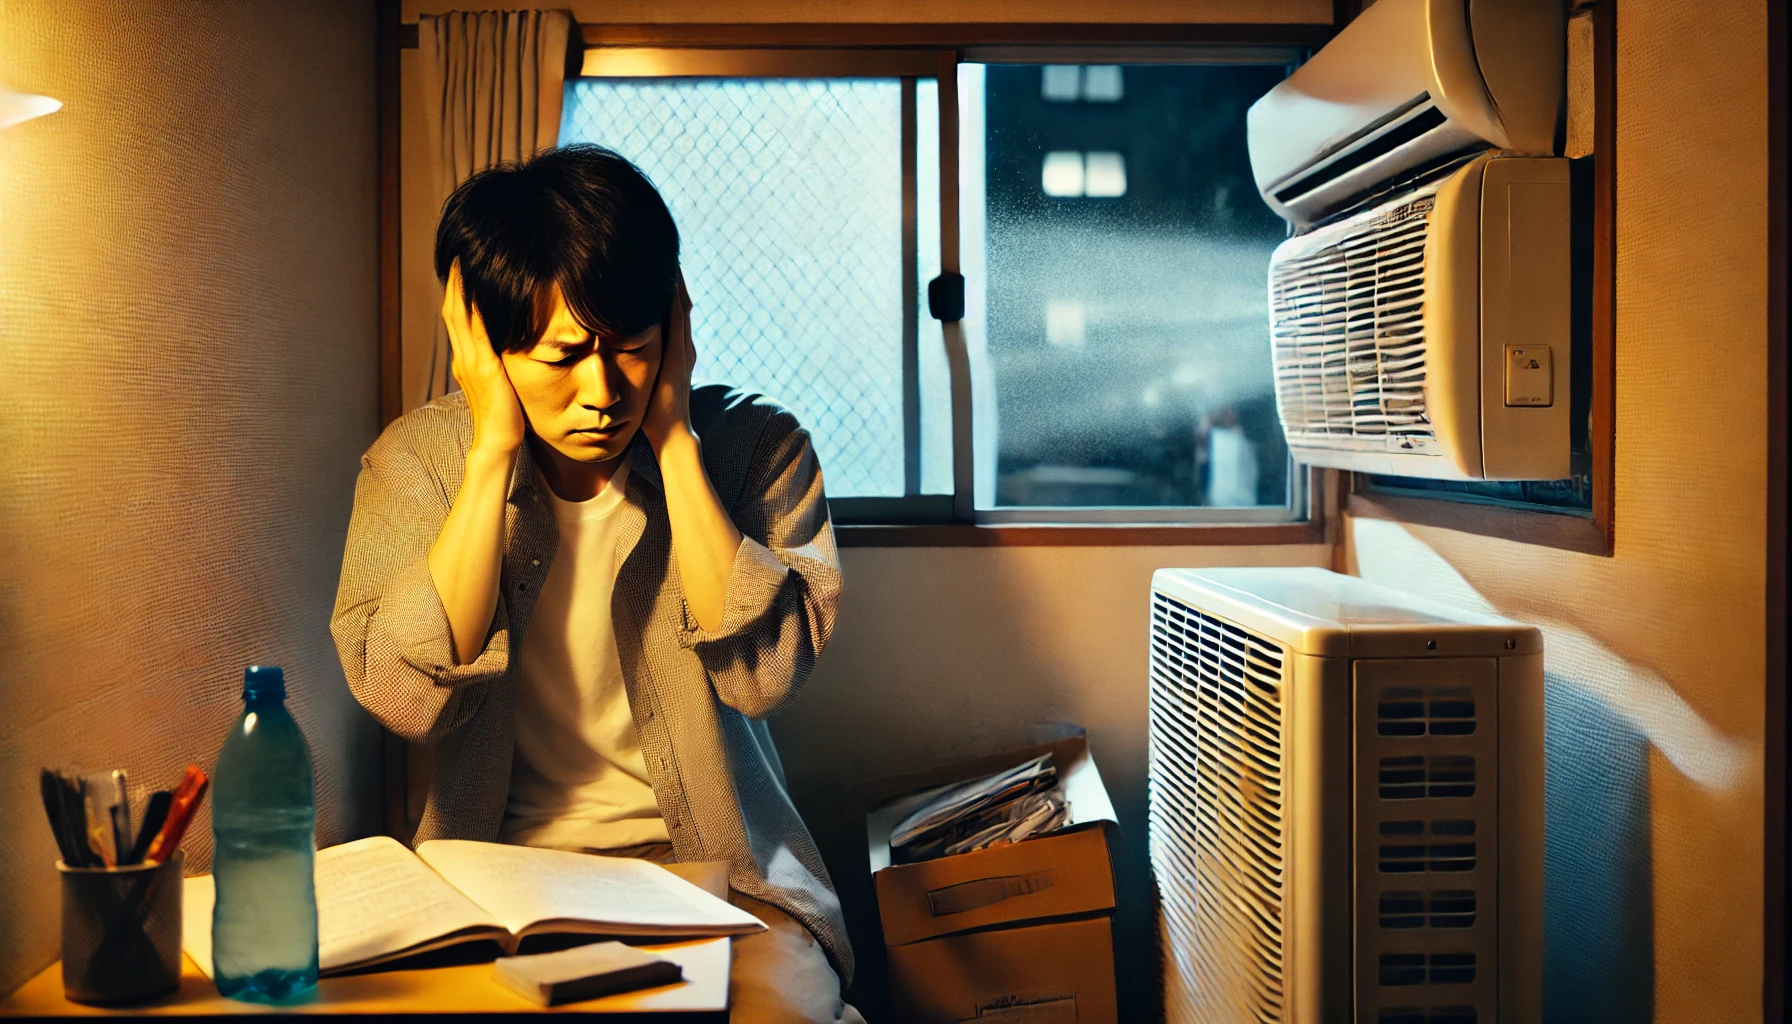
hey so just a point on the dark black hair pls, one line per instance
(580, 216)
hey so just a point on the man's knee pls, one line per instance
(782, 975)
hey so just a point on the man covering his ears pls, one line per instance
(586, 584)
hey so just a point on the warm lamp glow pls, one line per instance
(17, 106)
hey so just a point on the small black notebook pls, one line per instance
(585, 972)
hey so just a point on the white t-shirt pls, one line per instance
(578, 779)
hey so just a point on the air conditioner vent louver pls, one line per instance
(1347, 327)
(1217, 799)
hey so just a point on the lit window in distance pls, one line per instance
(1066, 323)
(1102, 84)
(1062, 174)
(1104, 175)
(1067, 83)
(1060, 83)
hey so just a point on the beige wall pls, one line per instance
(1656, 654)
(188, 356)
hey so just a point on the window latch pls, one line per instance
(945, 297)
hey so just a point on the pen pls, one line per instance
(180, 813)
(154, 814)
(74, 821)
(95, 822)
(52, 794)
(120, 813)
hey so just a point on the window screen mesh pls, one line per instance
(788, 199)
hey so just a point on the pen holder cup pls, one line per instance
(121, 931)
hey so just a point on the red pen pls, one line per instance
(180, 812)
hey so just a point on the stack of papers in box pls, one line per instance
(1006, 807)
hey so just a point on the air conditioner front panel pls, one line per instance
(1398, 59)
(1404, 84)
(1375, 335)
(1525, 307)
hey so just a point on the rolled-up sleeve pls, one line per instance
(784, 586)
(390, 628)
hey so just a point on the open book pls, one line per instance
(378, 901)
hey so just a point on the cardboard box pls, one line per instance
(1016, 934)
(1056, 972)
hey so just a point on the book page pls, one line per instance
(522, 886)
(375, 900)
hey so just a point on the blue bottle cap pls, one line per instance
(264, 682)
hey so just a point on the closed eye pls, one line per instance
(569, 353)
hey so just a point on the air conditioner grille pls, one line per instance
(1438, 1015)
(1417, 776)
(1217, 814)
(1347, 329)
(1408, 909)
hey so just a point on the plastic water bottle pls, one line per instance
(264, 820)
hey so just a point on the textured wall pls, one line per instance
(188, 353)
(1656, 655)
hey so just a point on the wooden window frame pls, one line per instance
(1591, 535)
(1777, 812)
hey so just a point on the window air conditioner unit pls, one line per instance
(1346, 803)
(1420, 313)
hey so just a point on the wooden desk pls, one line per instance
(468, 988)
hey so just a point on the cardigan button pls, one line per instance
(534, 561)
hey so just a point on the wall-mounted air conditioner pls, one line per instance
(1420, 315)
(1346, 803)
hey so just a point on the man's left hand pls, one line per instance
(703, 535)
(669, 411)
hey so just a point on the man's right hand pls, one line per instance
(467, 560)
(498, 422)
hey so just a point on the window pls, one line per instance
(788, 194)
(1126, 252)
(1115, 340)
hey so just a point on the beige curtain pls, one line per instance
(492, 82)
